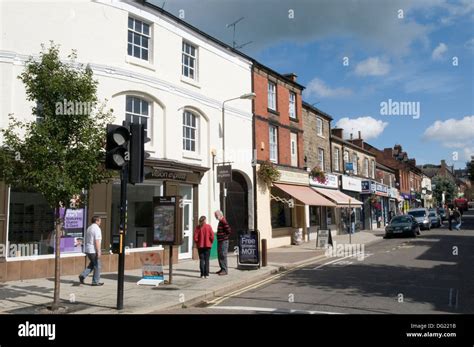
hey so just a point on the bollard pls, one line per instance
(264, 252)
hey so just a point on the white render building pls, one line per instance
(154, 69)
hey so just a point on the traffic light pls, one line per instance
(117, 153)
(137, 153)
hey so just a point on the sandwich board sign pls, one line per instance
(152, 269)
(324, 238)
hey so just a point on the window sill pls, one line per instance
(296, 120)
(139, 62)
(321, 136)
(273, 111)
(192, 156)
(190, 81)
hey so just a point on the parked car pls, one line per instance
(442, 214)
(402, 225)
(422, 217)
(435, 219)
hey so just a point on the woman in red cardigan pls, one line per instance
(203, 238)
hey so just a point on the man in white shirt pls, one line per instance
(92, 249)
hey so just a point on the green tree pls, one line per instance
(60, 154)
(442, 184)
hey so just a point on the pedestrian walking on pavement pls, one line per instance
(92, 248)
(223, 232)
(457, 219)
(450, 219)
(203, 238)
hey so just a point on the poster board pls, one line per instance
(152, 269)
(167, 220)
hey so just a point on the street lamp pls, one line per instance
(247, 96)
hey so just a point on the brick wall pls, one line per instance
(312, 141)
(280, 118)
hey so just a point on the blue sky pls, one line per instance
(401, 50)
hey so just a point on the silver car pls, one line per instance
(422, 217)
(435, 219)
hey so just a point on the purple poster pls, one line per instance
(74, 219)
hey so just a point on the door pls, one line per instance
(237, 207)
(186, 248)
(294, 149)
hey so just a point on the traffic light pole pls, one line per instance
(123, 230)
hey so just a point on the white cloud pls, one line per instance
(372, 67)
(438, 52)
(453, 133)
(470, 44)
(317, 88)
(451, 130)
(369, 127)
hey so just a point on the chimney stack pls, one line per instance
(291, 76)
(337, 132)
(360, 138)
(351, 136)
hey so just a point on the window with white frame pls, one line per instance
(372, 170)
(355, 162)
(189, 61)
(366, 167)
(292, 105)
(336, 159)
(138, 39)
(273, 143)
(190, 131)
(271, 95)
(319, 126)
(321, 158)
(138, 112)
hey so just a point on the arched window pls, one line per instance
(138, 112)
(190, 131)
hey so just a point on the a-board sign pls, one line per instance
(224, 174)
(249, 251)
(324, 238)
(152, 269)
(167, 221)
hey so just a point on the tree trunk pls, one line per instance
(57, 260)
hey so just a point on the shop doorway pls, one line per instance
(237, 206)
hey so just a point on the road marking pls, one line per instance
(260, 283)
(271, 310)
(330, 262)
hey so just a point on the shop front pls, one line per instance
(29, 227)
(352, 186)
(345, 216)
(376, 204)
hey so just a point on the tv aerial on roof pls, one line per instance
(234, 43)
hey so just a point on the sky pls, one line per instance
(399, 71)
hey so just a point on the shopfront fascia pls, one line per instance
(162, 178)
(337, 218)
(288, 214)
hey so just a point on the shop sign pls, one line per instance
(293, 177)
(381, 189)
(331, 182)
(324, 239)
(224, 174)
(352, 184)
(169, 175)
(248, 248)
(365, 187)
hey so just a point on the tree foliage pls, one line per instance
(443, 184)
